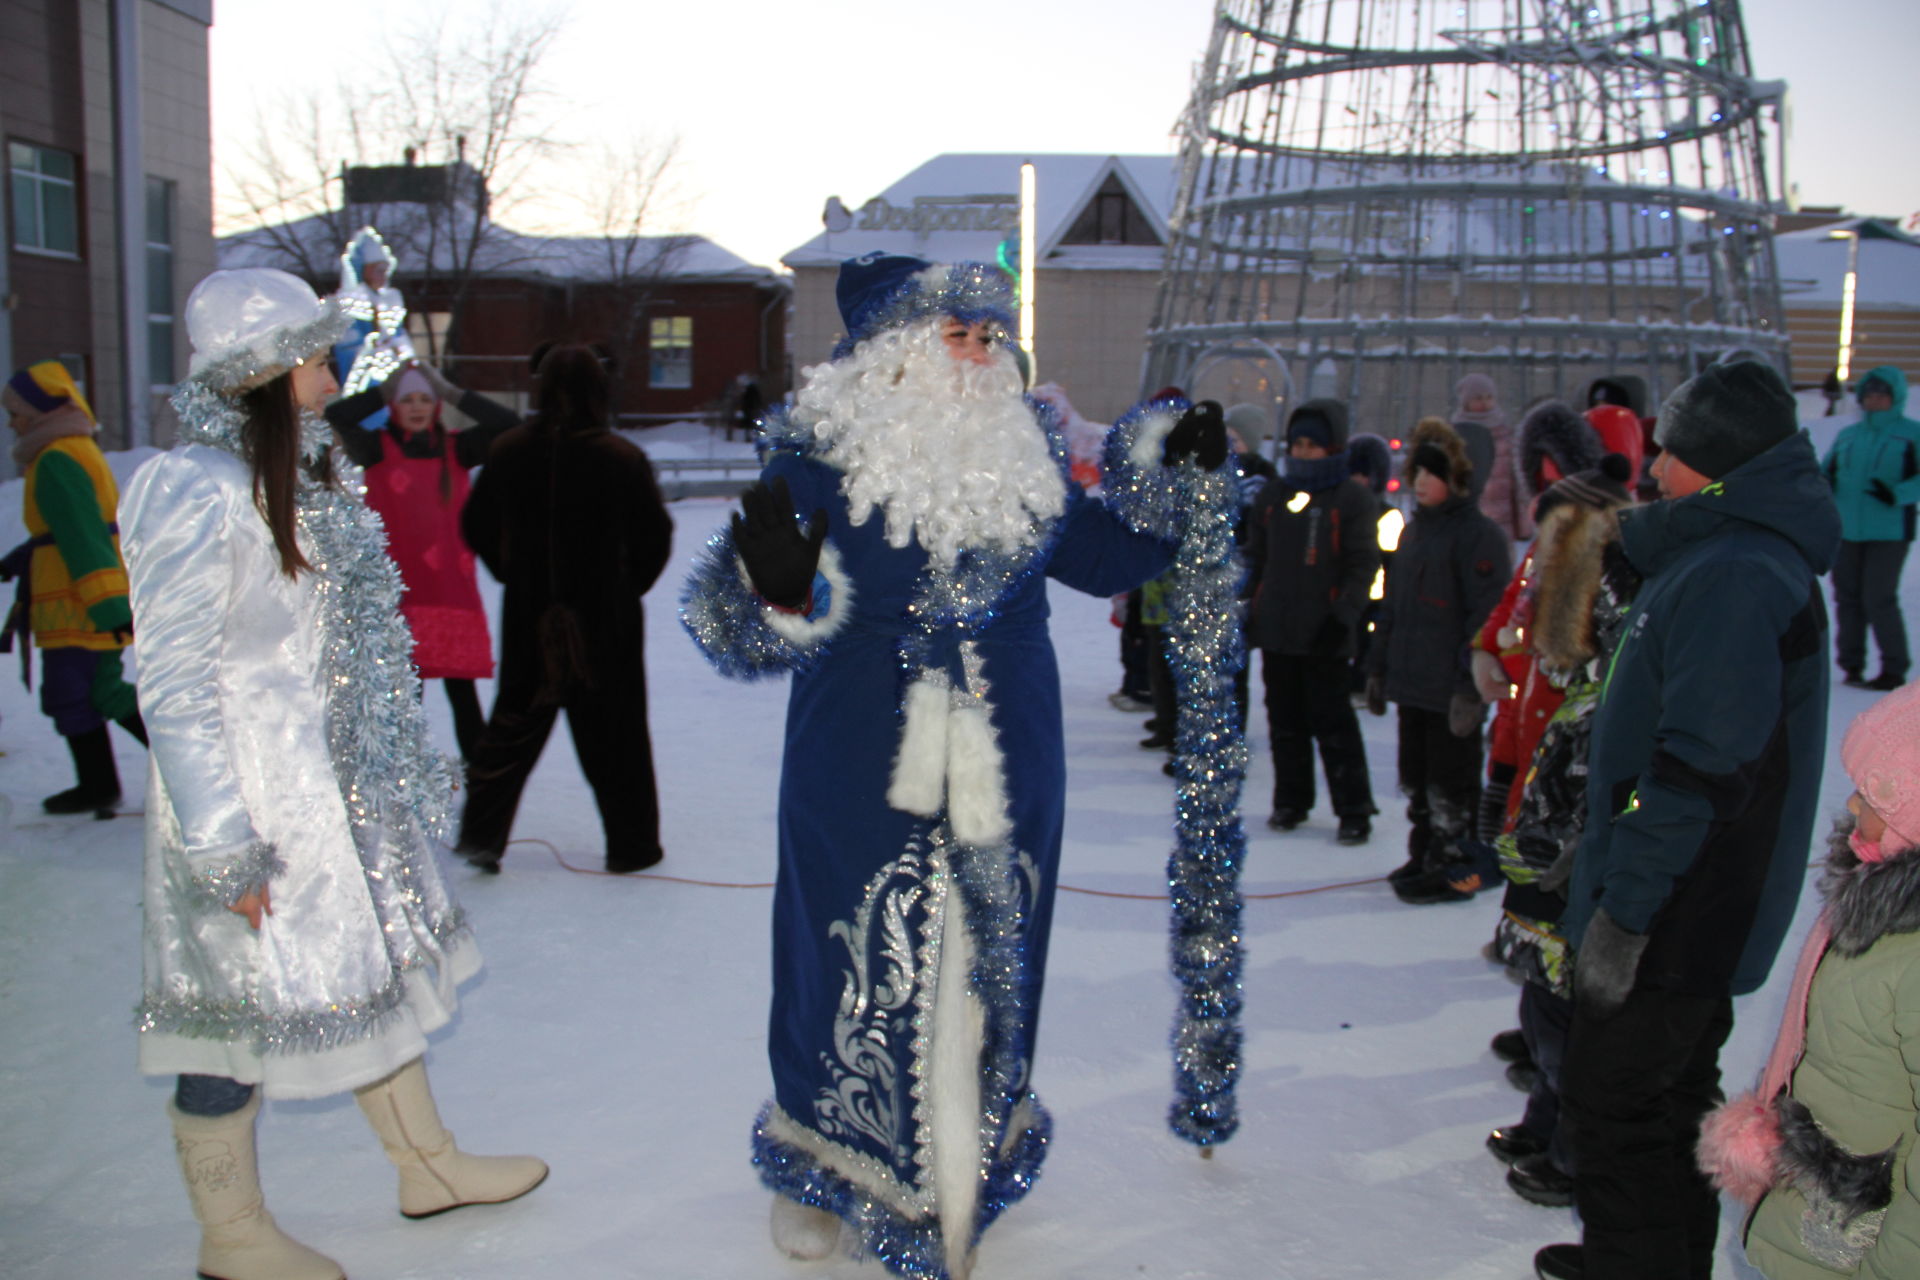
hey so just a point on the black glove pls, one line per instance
(780, 560)
(1377, 695)
(1605, 966)
(1876, 488)
(1330, 641)
(1201, 434)
(1464, 711)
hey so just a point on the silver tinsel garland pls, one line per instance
(1206, 649)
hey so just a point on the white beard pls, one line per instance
(947, 449)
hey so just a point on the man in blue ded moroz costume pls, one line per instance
(923, 787)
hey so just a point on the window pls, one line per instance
(670, 351)
(1111, 217)
(46, 199)
(159, 282)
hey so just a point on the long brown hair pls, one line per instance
(271, 436)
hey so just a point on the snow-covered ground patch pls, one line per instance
(617, 1030)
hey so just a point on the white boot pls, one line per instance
(238, 1237)
(435, 1175)
(802, 1232)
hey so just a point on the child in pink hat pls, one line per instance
(1822, 1145)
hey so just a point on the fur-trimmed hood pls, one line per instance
(1436, 433)
(1553, 430)
(1569, 561)
(1866, 901)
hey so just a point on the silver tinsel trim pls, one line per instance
(727, 620)
(1146, 495)
(268, 1032)
(243, 368)
(968, 291)
(222, 884)
(1206, 649)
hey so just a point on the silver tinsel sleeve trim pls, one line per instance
(727, 621)
(269, 1032)
(219, 882)
(1206, 649)
(1146, 494)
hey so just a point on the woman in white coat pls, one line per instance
(299, 940)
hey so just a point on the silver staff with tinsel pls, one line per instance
(1206, 650)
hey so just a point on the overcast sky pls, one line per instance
(778, 104)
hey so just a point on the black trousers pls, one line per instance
(1632, 1092)
(1440, 775)
(1866, 593)
(1544, 1021)
(1308, 702)
(608, 723)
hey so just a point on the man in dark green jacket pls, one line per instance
(1702, 789)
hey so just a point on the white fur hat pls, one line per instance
(251, 325)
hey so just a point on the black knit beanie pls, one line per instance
(1726, 417)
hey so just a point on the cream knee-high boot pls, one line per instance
(238, 1237)
(435, 1175)
(802, 1232)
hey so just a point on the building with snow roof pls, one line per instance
(1886, 320)
(1100, 238)
(684, 318)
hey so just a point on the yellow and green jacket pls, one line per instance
(79, 593)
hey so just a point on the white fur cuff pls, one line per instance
(809, 630)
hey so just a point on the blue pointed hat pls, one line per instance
(880, 291)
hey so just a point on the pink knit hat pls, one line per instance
(1881, 753)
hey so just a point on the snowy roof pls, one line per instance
(959, 207)
(1813, 264)
(317, 240)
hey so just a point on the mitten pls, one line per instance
(1605, 966)
(1463, 713)
(1377, 695)
(1201, 434)
(780, 559)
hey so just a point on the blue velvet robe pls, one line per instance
(863, 888)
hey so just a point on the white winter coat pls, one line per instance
(359, 959)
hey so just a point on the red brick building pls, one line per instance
(684, 319)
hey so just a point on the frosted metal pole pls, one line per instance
(1026, 267)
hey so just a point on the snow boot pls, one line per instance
(435, 1175)
(802, 1232)
(238, 1237)
(1537, 1180)
(99, 780)
(1513, 1143)
(1510, 1046)
(1560, 1262)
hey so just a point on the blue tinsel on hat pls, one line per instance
(880, 291)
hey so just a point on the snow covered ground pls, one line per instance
(617, 1031)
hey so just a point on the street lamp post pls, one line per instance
(1844, 364)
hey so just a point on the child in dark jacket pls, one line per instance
(1313, 552)
(1451, 567)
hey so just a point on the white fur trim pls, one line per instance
(976, 781)
(1150, 440)
(806, 632)
(920, 768)
(802, 1232)
(959, 1036)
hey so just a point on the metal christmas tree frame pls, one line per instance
(1378, 196)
